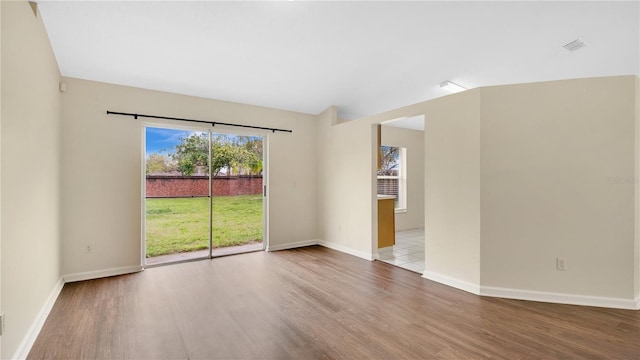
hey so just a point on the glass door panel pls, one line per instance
(237, 193)
(177, 195)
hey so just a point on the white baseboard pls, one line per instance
(347, 250)
(36, 326)
(293, 245)
(329, 245)
(517, 294)
(102, 273)
(453, 282)
(558, 298)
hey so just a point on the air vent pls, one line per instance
(574, 45)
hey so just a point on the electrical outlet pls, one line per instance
(87, 249)
(561, 263)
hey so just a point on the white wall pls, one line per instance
(346, 184)
(0, 177)
(518, 175)
(30, 173)
(558, 167)
(413, 141)
(102, 170)
(637, 195)
(452, 189)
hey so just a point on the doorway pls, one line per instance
(203, 194)
(400, 176)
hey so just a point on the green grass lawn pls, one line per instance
(181, 225)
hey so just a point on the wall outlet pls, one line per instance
(561, 263)
(1, 324)
(87, 249)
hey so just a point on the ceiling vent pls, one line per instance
(574, 45)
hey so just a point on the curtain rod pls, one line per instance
(213, 123)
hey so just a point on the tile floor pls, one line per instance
(407, 253)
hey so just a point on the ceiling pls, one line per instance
(413, 123)
(363, 57)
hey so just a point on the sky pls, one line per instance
(163, 141)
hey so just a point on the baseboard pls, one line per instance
(102, 273)
(637, 300)
(293, 245)
(347, 250)
(559, 298)
(34, 329)
(329, 245)
(453, 282)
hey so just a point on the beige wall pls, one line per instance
(557, 177)
(0, 174)
(102, 169)
(346, 184)
(637, 195)
(413, 141)
(452, 189)
(518, 175)
(30, 172)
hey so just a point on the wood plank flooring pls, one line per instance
(316, 303)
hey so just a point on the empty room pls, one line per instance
(319, 180)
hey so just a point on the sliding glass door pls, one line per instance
(203, 194)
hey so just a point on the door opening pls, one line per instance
(400, 188)
(204, 194)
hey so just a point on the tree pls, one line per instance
(191, 153)
(233, 153)
(158, 163)
(223, 154)
(389, 160)
(247, 155)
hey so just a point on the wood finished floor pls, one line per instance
(316, 303)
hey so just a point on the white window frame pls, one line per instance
(402, 180)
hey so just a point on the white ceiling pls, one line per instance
(363, 57)
(413, 123)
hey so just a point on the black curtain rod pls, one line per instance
(213, 123)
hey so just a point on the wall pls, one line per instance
(347, 217)
(29, 205)
(413, 141)
(174, 186)
(104, 152)
(346, 171)
(637, 196)
(558, 167)
(0, 176)
(518, 175)
(452, 190)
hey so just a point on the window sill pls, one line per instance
(400, 211)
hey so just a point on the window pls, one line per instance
(392, 175)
